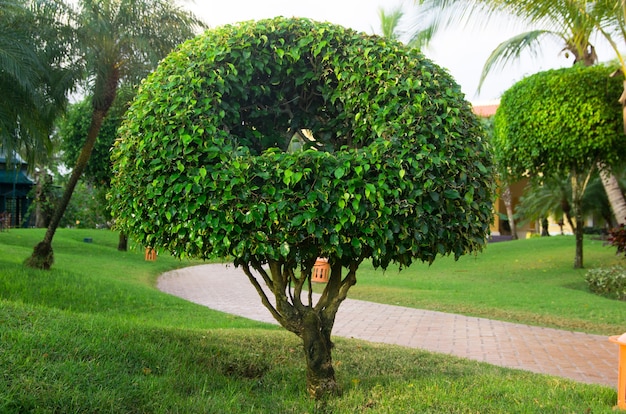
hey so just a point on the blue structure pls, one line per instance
(15, 186)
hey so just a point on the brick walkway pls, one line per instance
(579, 356)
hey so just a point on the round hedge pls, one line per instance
(561, 120)
(398, 169)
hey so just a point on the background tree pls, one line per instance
(552, 197)
(74, 127)
(34, 48)
(391, 28)
(504, 182)
(561, 122)
(563, 21)
(547, 197)
(390, 21)
(571, 22)
(609, 18)
(397, 171)
(118, 40)
(44, 195)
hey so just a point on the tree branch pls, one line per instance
(305, 275)
(264, 299)
(266, 278)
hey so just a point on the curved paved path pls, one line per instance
(579, 356)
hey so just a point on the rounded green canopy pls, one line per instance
(293, 139)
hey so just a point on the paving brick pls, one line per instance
(579, 356)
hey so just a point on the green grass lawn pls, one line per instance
(94, 335)
(528, 281)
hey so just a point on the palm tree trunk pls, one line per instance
(43, 256)
(622, 101)
(610, 183)
(508, 204)
(578, 231)
(40, 221)
(614, 194)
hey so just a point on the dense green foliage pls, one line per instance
(36, 75)
(73, 130)
(559, 120)
(563, 122)
(398, 169)
(610, 281)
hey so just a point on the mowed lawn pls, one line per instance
(95, 335)
(528, 281)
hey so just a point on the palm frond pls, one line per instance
(512, 49)
(420, 38)
(389, 22)
(440, 15)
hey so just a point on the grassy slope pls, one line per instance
(93, 335)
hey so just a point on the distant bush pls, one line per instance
(595, 230)
(609, 282)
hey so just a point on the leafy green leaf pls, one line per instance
(285, 249)
(339, 172)
(451, 194)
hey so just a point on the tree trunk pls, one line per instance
(611, 186)
(622, 101)
(614, 194)
(320, 374)
(40, 221)
(311, 322)
(544, 227)
(43, 256)
(579, 185)
(508, 204)
(579, 232)
(122, 244)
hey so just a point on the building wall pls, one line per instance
(15, 186)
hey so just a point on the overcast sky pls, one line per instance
(462, 52)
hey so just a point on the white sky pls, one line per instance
(462, 52)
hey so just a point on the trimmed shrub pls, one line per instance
(609, 282)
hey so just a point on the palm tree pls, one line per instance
(609, 18)
(73, 128)
(390, 28)
(552, 196)
(389, 22)
(117, 40)
(33, 82)
(573, 22)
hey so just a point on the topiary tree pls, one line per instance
(561, 122)
(393, 165)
